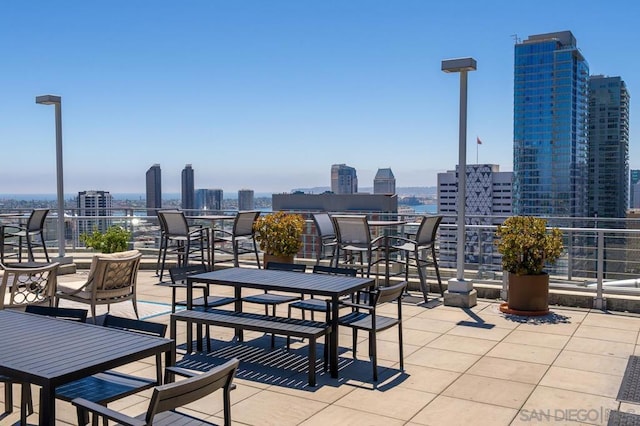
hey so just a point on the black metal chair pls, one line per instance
(241, 234)
(168, 397)
(415, 250)
(189, 242)
(355, 242)
(69, 314)
(33, 228)
(326, 237)
(365, 317)
(179, 277)
(103, 388)
(318, 305)
(273, 299)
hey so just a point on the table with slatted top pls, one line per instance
(49, 352)
(330, 286)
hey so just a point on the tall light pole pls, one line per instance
(460, 291)
(57, 101)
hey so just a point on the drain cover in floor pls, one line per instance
(630, 387)
(618, 418)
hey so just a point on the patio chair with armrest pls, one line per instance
(103, 388)
(167, 398)
(112, 279)
(189, 241)
(366, 318)
(415, 249)
(354, 240)
(33, 228)
(179, 277)
(274, 299)
(242, 233)
(28, 286)
(326, 237)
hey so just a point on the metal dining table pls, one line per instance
(49, 352)
(330, 286)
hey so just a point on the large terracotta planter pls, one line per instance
(528, 295)
(266, 258)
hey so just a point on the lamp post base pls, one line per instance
(460, 293)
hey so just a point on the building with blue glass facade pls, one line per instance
(550, 126)
(608, 147)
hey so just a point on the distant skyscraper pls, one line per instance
(209, 199)
(384, 182)
(634, 179)
(245, 199)
(608, 147)
(94, 203)
(343, 179)
(187, 188)
(550, 126)
(488, 200)
(154, 190)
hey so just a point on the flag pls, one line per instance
(479, 141)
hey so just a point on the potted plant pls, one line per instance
(115, 239)
(526, 246)
(279, 235)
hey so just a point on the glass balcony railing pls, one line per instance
(601, 255)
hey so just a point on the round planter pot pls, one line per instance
(266, 258)
(528, 295)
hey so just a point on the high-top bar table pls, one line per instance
(49, 352)
(330, 286)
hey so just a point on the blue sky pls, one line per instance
(267, 94)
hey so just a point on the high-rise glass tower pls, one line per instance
(209, 199)
(154, 189)
(608, 147)
(245, 199)
(344, 179)
(187, 188)
(384, 182)
(634, 180)
(550, 126)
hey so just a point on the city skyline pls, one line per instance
(267, 95)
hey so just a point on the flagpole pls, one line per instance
(477, 149)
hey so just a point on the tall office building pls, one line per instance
(550, 126)
(488, 200)
(343, 179)
(187, 188)
(245, 199)
(608, 192)
(94, 203)
(154, 190)
(384, 182)
(634, 189)
(209, 199)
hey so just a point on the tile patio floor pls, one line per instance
(474, 366)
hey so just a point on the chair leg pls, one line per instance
(29, 248)
(44, 248)
(93, 313)
(255, 250)
(435, 265)
(236, 262)
(26, 403)
(354, 336)
(19, 249)
(135, 306)
(421, 276)
(401, 348)
(373, 355)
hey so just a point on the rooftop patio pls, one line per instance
(462, 366)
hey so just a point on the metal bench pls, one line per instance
(262, 323)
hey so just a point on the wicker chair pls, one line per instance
(112, 279)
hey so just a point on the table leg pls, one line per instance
(238, 307)
(333, 339)
(47, 405)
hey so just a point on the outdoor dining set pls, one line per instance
(72, 358)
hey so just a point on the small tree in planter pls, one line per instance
(526, 246)
(279, 235)
(115, 239)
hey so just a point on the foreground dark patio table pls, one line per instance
(49, 352)
(329, 286)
